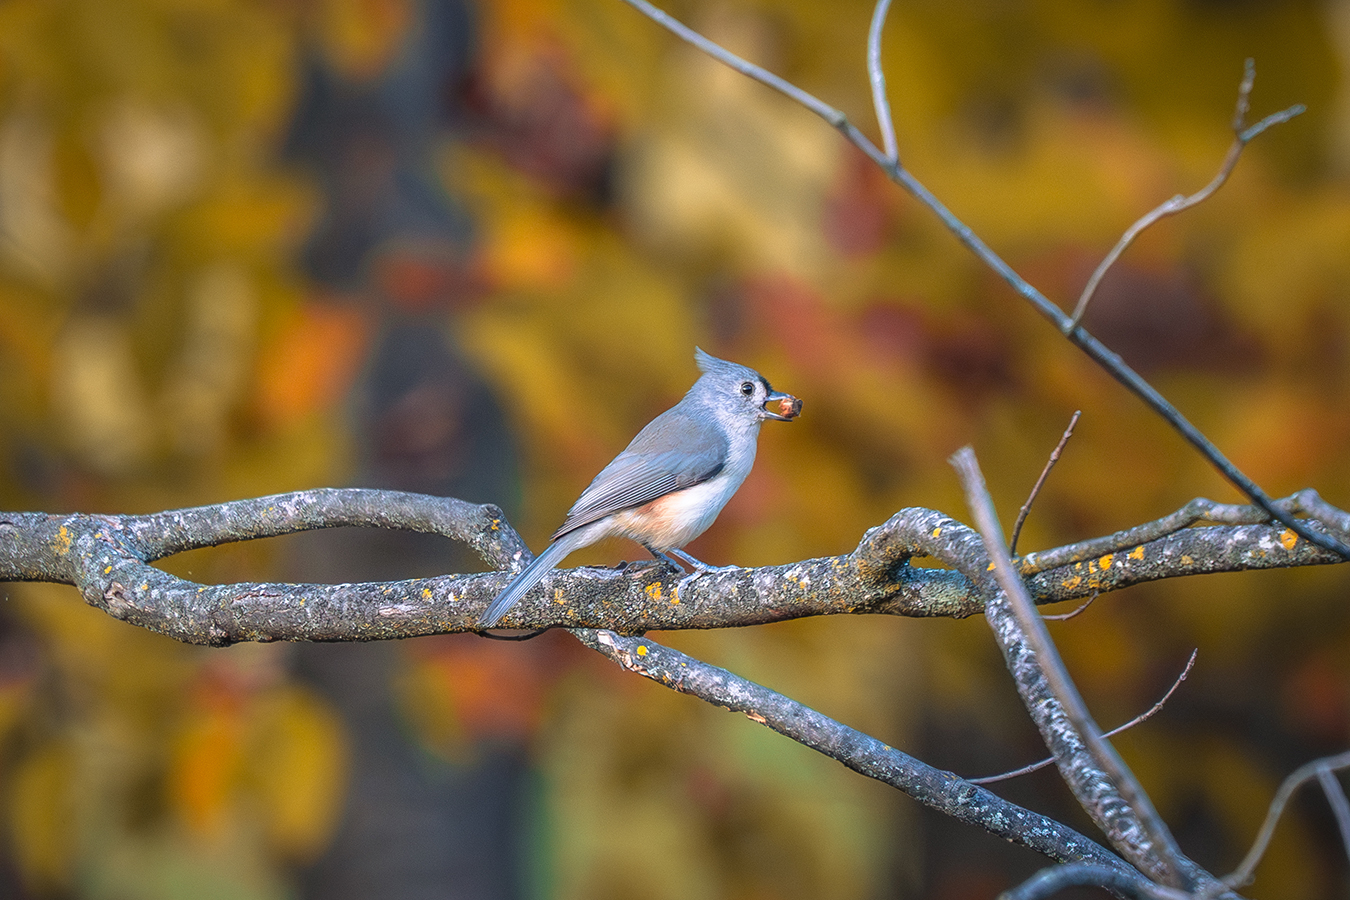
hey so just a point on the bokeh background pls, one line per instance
(434, 245)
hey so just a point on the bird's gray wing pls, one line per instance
(650, 468)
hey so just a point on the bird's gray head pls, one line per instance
(740, 392)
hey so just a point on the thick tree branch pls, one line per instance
(108, 558)
(1197, 511)
(479, 527)
(940, 790)
(1105, 787)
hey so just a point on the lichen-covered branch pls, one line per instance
(1104, 786)
(109, 559)
(943, 791)
(1198, 511)
(482, 528)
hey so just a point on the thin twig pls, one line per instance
(1076, 334)
(1241, 135)
(1064, 617)
(1340, 807)
(744, 66)
(877, 76)
(1143, 717)
(1160, 852)
(1306, 772)
(1036, 488)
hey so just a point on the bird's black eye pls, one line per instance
(748, 388)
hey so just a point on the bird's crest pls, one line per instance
(709, 363)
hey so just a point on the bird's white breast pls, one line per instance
(677, 518)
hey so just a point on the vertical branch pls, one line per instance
(1115, 799)
(1340, 806)
(877, 76)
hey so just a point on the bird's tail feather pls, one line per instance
(533, 574)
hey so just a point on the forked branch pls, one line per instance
(1098, 777)
(1076, 334)
(877, 75)
(862, 753)
(1318, 768)
(1242, 135)
(109, 558)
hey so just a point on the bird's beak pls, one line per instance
(783, 407)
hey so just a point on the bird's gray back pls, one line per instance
(678, 449)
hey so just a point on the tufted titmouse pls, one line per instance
(668, 485)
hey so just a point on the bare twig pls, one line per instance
(1304, 773)
(1076, 334)
(1241, 136)
(1340, 807)
(745, 67)
(877, 76)
(1064, 617)
(1036, 488)
(1142, 717)
(1136, 830)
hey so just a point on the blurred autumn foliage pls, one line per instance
(248, 247)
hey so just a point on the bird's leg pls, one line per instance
(675, 556)
(664, 558)
(698, 567)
